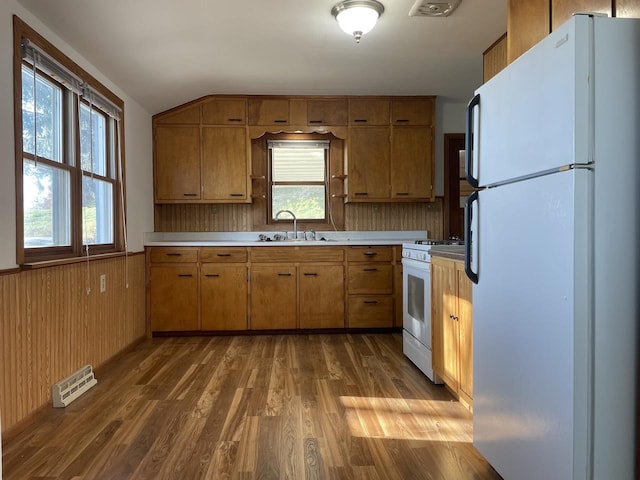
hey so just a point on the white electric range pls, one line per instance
(416, 303)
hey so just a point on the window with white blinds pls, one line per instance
(298, 178)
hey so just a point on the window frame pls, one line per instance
(271, 183)
(71, 155)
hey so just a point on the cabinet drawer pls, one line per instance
(271, 254)
(223, 255)
(296, 254)
(370, 279)
(174, 255)
(370, 254)
(370, 312)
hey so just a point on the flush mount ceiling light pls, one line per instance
(357, 17)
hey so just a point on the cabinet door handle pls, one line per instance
(370, 254)
(310, 274)
(189, 194)
(210, 275)
(360, 120)
(234, 119)
(360, 193)
(284, 274)
(173, 254)
(402, 193)
(236, 194)
(402, 120)
(184, 275)
(223, 254)
(369, 269)
(279, 121)
(315, 121)
(370, 302)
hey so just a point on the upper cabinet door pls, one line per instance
(224, 164)
(411, 163)
(182, 115)
(528, 22)
(327, 112)
(368, 112)
(562, 10)
(225, 111)
(177, 163)
(268, 111)
(412, 111)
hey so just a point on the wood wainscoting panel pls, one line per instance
(204, 218)
(55, 320)
(396, 216)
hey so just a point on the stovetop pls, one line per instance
(451, 241)
(419, 250)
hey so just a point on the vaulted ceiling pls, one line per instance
(166, 52)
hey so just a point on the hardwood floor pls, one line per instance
(295, 407)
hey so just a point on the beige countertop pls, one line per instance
(251, 239)
(453, 252)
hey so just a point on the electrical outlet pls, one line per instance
(103, 283)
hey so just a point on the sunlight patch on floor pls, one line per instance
(407, 419)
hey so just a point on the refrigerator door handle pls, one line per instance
(468, 241)
(473, 181)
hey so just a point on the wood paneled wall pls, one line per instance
(50, 326)
(358, 216)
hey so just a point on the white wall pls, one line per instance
(450, 118)
(138, 140)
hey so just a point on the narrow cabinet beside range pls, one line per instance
(452, 326)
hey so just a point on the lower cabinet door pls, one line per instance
(174, 298)
(273, 297)
(321, 290)
(370, 312)
(223, 297)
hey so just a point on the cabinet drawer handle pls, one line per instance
(402, 120)
(284, 274)
(236, 194)
(370, 254)
(173, 254)
(360, 120)
(370, 302)
(212, 275)
(402, 193)
(189, 194)
(310, 274)
(369, 269)
(234, 119)
(279, 121)
(223, 254)
(315, 121)
(361, 193)
(184, 275)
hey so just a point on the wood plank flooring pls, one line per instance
(341, 406)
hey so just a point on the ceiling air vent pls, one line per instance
(426, 8)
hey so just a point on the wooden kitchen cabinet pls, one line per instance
(369, 165)
(370, 287)
(413, 111)
(268, 111)
(397, 286)
(321, 296)
(225, 164)
(173, 297)
(412, 163)
(177, 163)
(562, 10)
(224, 111)
(494, 59)
(627, 8)
(327, 112)
(452, 326)
(224, 297)
(273, 297)
(528, 22)
(369, 112)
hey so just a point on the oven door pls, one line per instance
(416, 300)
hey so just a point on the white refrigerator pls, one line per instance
(552, 241)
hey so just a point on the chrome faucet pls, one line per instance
(295, 221)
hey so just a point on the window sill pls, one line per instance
(68, 261)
